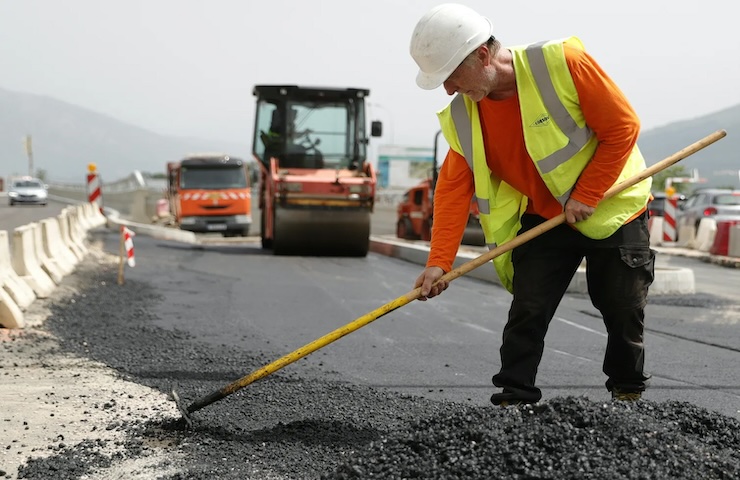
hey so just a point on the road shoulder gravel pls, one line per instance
(52, 400)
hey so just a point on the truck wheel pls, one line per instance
(404, 229)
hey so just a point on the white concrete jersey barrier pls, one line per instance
(686, 236)
(11, 315)
(47, 264)
(155, 231)
(655, 227)
(84, 213)
(95, 216)
(19, 291)
(63, 219)
(54, 246)
(76, 228)
(26, 264)
(42, 254)
(705, 235)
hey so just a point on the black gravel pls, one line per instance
(561, 438)
(291, 426)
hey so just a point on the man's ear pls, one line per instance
(484, 55)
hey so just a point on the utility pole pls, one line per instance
(29, 153)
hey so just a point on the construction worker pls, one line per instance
(536, 131)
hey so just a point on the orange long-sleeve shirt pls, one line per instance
(607, 112)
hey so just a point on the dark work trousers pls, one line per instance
(619, 270)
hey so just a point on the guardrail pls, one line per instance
(134, 197)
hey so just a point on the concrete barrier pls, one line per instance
(85, 216)
(705, 235)
(99, 220)
(667, 280)
(85, 223)
(26, 264)
(77, 232)
(655, 227)
(54, 245)
(733, 245)
(17, 289)
(11, 315)
(95, 216)
(47, 264)
(42, 254)
(686, 236)
(63, 219)
(721, 243)
(154, 231)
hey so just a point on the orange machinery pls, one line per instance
(415, 214)
(210, 193)
(317, 189)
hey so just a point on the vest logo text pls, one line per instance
(541, 121)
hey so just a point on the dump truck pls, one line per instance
(317, 189)
(415, 212)
(210, 193)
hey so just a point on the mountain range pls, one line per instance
(66, 138)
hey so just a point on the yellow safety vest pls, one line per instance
(558, 141)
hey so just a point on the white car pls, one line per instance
(28, 191)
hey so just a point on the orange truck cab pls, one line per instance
(210, 193)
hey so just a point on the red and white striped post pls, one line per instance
(93, 187)
(127, 251)
(669, 216)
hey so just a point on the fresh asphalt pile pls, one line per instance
(299, 424)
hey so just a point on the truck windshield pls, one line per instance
(212, 178)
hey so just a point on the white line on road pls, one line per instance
(573, 324)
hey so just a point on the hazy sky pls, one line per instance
(186, 67)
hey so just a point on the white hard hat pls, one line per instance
(443, 38)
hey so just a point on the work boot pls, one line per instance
(625, 396)
(507, 399)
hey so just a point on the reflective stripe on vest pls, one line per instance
(465, 135)
(577, 136)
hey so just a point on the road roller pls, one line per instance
(317, 189)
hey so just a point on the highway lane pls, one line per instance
(17, 215)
